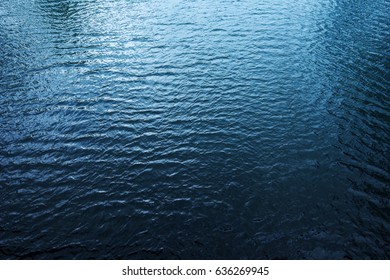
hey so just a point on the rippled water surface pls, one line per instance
(195, 129)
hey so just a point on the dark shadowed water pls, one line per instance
(192, 129)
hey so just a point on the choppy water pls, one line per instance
(195, 129)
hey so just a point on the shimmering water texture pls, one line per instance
(194, 129)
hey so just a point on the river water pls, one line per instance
(202, 129)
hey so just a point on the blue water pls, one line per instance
(203, 129)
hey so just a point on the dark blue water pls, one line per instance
(180, 129)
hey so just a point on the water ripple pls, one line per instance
(153, 129)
